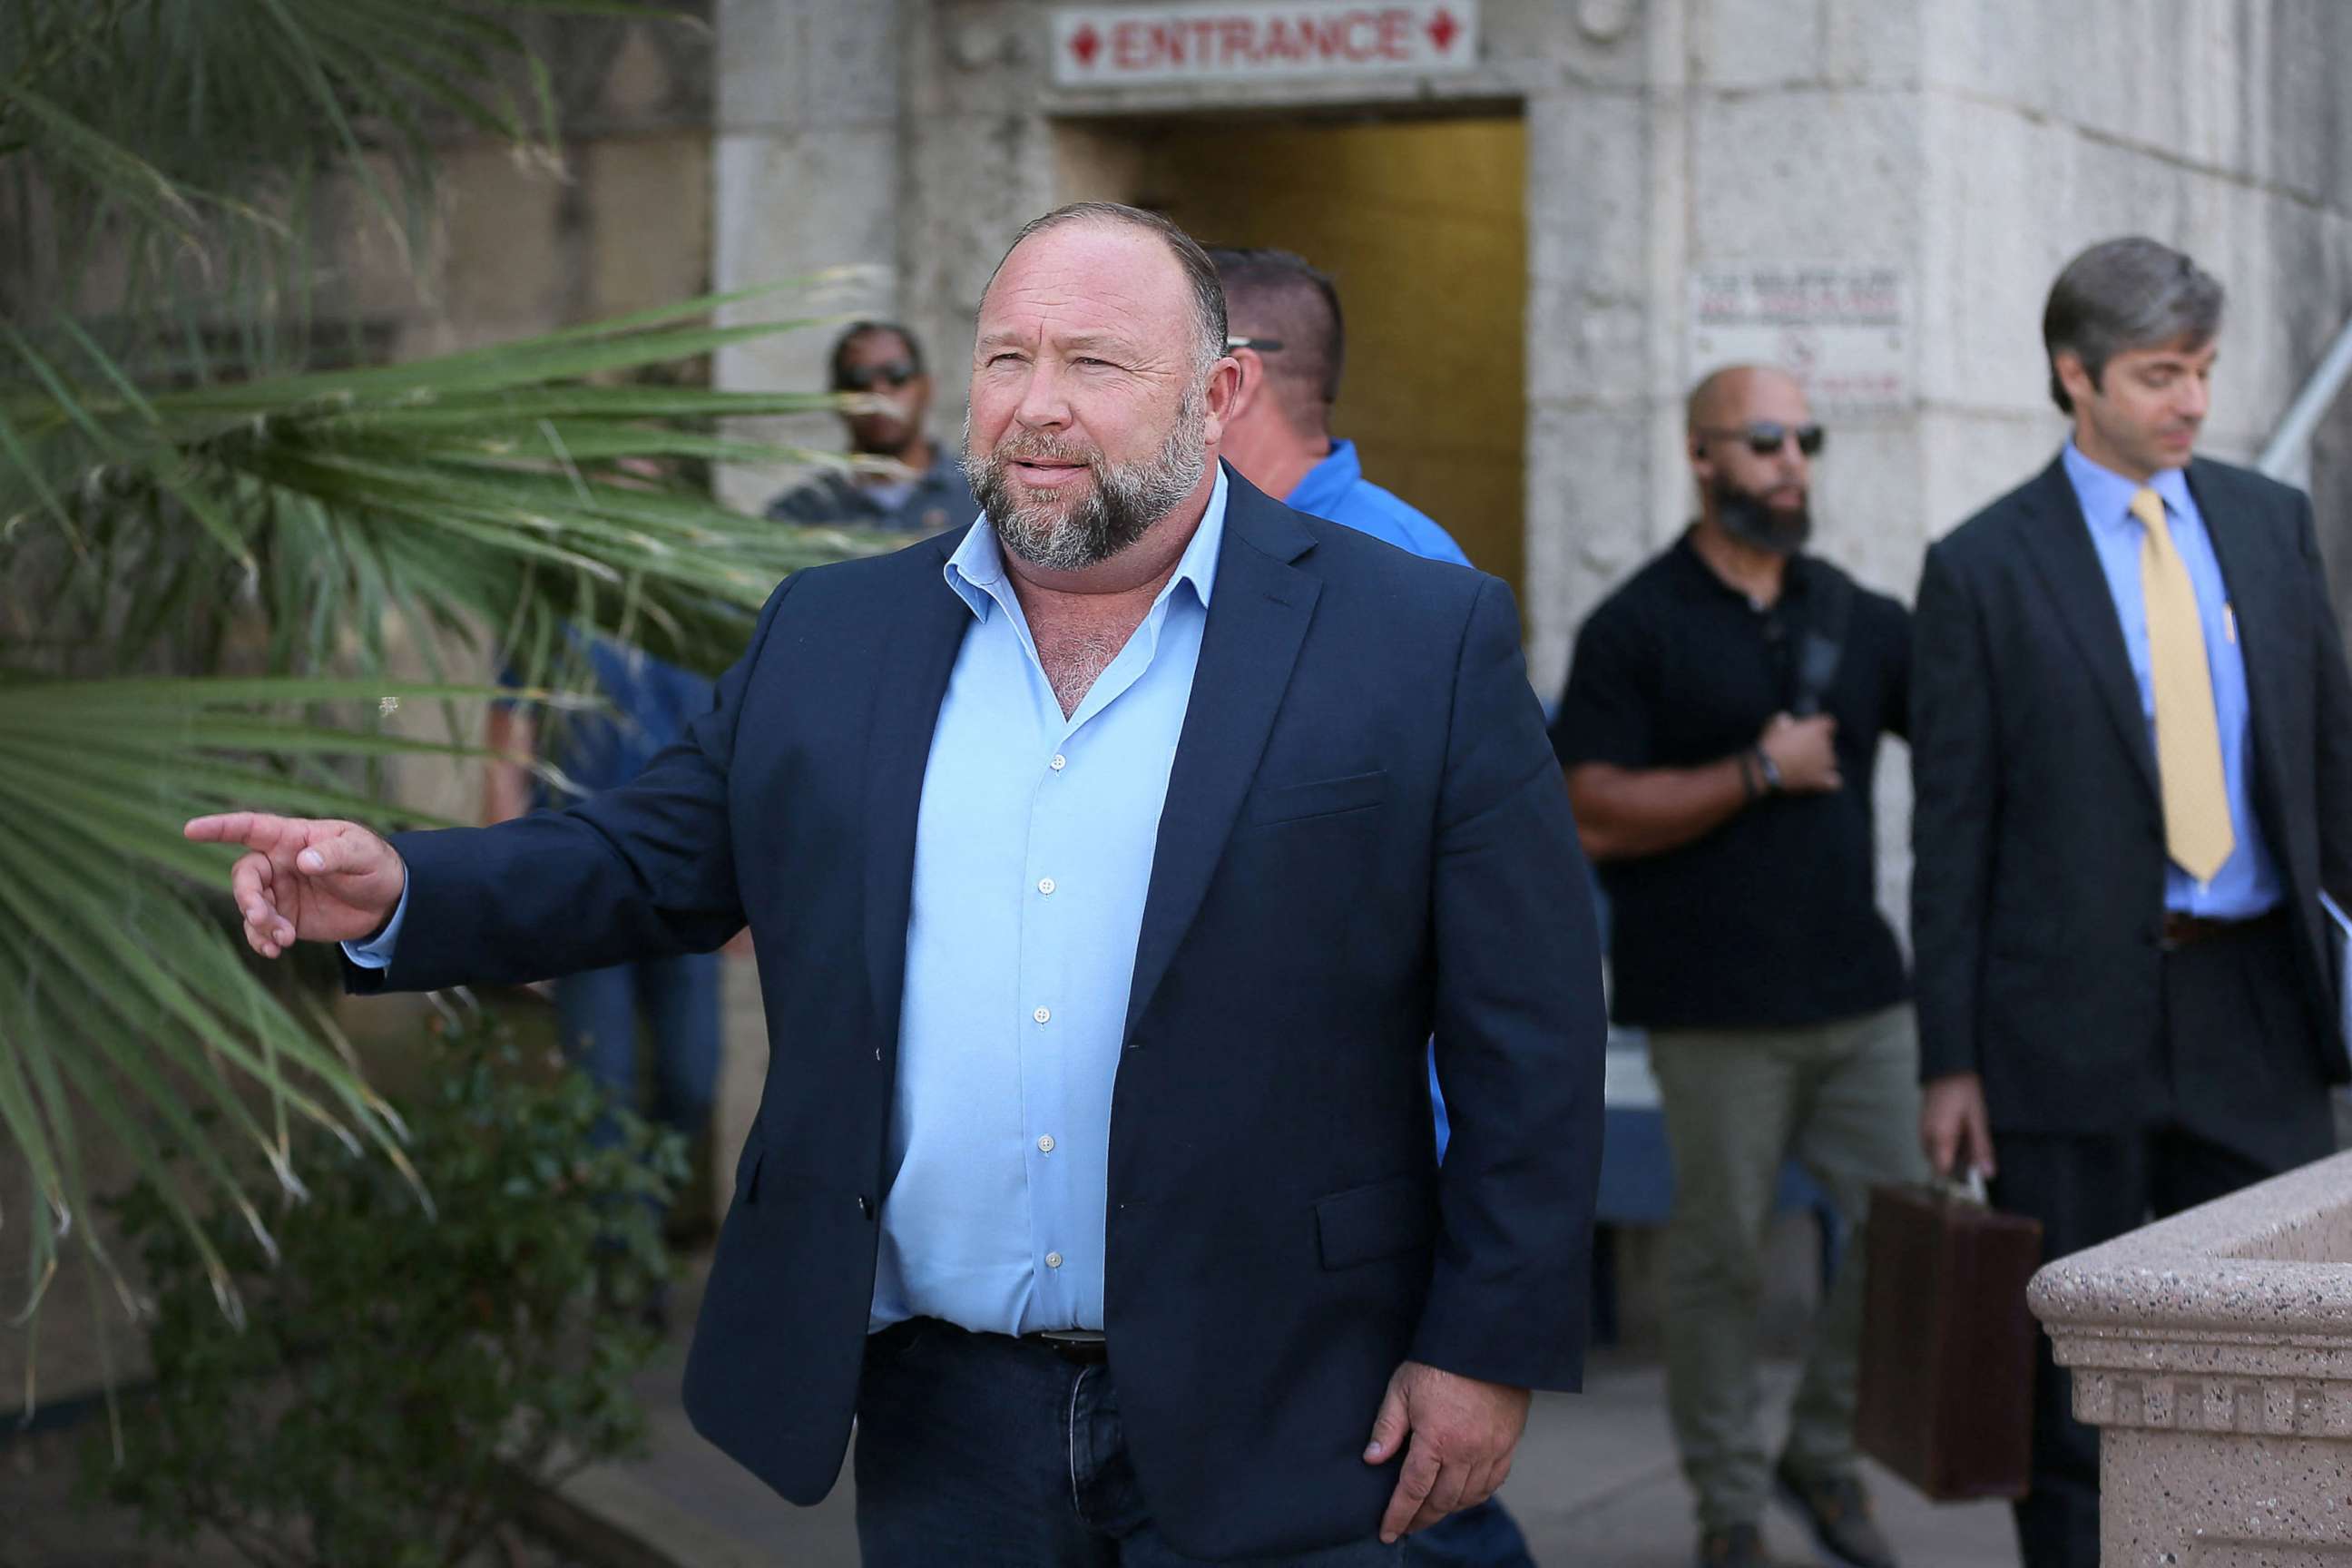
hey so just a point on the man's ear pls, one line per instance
(1249, 381)
(1229, 394)
(2071, 374)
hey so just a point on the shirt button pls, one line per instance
(1044, 1014)
(1059, 762)
(1045, 1144)
(1045, 884)
(1053, 1260)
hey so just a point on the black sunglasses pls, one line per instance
(866, 377)
(1263, 345)
(1765, 436)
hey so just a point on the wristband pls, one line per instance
(1768, 768)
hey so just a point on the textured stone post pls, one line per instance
(2213, 1351)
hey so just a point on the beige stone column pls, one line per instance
(2213, 1351)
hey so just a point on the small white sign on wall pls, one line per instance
(1843, 331)
(1139, 46)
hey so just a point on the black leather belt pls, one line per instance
(2182, 930)
(1080, 1347)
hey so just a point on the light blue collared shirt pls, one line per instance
(377, 954)
(1033, 860)
(1033, 857)
(2248, 883)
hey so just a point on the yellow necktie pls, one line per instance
(2197, 832)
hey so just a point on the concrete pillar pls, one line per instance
(806, 185)
(2213, 1351)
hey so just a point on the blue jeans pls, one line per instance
(597, 1013)
(1481, 1537)
(979, 1451)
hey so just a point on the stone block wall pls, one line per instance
(515, 246)
(806, 167)
(2215, 125)
(1972, 145)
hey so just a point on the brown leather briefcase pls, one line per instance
(1947, 1390)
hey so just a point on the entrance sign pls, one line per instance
(1843, 330)
(1136, 46)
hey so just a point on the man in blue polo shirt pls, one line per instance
(1286, 335)
(1289, 339)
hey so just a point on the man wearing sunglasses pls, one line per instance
(1718, 734)
(2133, 764)
(925, 492)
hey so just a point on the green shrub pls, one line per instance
(402, 1370)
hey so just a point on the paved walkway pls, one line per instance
(1595, 1487)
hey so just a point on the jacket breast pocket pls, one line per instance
(1318, 797)
(1376, 1221)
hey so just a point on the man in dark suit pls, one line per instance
(2132, 758)
(1110, 864)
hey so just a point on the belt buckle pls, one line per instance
(2182, 929)
(1087, 1347)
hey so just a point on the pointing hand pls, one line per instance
(305, 880)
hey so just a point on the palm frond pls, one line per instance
(124, 1002)
(329, 500)
(186, 485)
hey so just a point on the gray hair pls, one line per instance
(2127, 294)
(1200, 272)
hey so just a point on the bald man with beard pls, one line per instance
(1718, 734)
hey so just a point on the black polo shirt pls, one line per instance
(1770, 920)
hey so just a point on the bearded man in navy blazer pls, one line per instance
(1110, 863)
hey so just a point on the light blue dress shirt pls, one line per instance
(1033, 860)
(2248, 883)
(1336, 489)
(1033, 857)
(377, 954)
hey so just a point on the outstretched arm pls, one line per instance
(640, 871)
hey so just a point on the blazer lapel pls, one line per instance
(2252, 592)
(1257, 619)
(2059, 542)
(914, 682)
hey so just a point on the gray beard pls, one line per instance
(1124, 502)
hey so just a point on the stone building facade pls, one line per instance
(1961, 149)
(1524, 236)
(618, 220)
(1954, 150)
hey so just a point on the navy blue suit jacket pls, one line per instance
(1366, 839)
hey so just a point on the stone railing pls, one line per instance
(2213, 1351)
